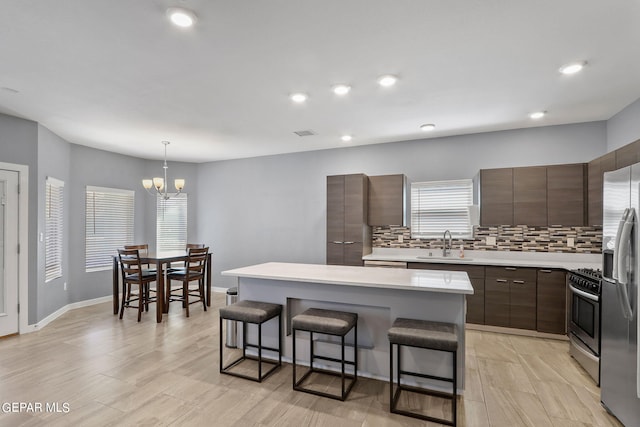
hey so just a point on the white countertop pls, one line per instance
(389, 278)
(567, 261)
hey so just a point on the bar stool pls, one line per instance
(424, 334)
(257, 313)
(328, 322)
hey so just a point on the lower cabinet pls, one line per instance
(552, 301)
(510, 297)
(475, 302)
(513, 297)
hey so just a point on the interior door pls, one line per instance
(8, 252)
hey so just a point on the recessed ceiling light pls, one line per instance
(572, 68)
(537, 115)
(341, 89)
(346, 138)
(428, 127)
(181, 17)
(387, 80)
(299, 97)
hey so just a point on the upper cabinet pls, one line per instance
(566, 194)
(388, 200)
(536, 196)
(628, 155)
(530, 195)
(496, 192)
(596, 168)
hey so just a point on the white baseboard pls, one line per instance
(62, 310)
(53, 316)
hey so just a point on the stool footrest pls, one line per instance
(298, 387)
(333, 359)
(430, 377)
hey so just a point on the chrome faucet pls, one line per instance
(445, 249)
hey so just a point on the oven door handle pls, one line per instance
(584, 294)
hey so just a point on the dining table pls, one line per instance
(161, 260)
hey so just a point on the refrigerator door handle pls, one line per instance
(623, 255)
(616, 249)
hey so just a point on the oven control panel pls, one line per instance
(587, 280)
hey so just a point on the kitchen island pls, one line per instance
(378, 295)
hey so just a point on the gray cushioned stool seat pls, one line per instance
(425, 334)
(250, 311)
(256, 313)
(324, 321)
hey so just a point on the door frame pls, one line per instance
(23, 241)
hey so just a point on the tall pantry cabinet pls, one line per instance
(348, 235)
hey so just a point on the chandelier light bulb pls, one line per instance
(428, 127)
(537, 115)
(572, 68)
(158, 183)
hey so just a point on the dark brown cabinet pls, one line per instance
(388, 200)
(536, 195)
(348, 235)
(595, 170)
(475, 302)
(628, 155)
(566, 194)
(551, 301)
(510, 297)
(496, 192)
(530, 195)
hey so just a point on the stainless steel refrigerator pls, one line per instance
(620, 358)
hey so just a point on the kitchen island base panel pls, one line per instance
(377, 308)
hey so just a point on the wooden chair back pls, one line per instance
(130, 265)
(196, 262)
(143, 249)
(194, 246)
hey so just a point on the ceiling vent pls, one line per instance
(304, 132)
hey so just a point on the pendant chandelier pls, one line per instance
(160, 184)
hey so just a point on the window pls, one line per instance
(109, 225)
(53, 212)
(171, 223)
(437, 206)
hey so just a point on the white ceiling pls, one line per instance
(116, 75)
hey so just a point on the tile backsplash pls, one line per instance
(520, 238)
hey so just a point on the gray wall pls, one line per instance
(624, 127)
(273, 208)
(19, 145)
(54, 161)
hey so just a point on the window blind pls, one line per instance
(54, 220)
(437, 206)
(109, 225)
(171, 223)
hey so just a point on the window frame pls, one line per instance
(162, 207)
(458, 219)
(53, 229)
(99, 254)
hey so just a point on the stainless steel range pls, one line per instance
(584, 319)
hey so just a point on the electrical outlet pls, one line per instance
(491, 240)
(571, 242)
(400, 238)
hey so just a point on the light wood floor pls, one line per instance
(107, 371)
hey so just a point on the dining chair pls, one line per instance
(193, 271)
(134, 274)
(143, 250)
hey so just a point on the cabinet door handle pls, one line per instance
(545, 271)
(348, 243)
(501, 280)
(519, 282)
(510, 268)
(337, 242)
